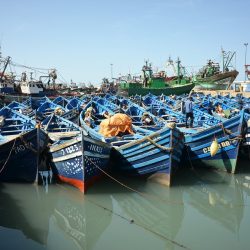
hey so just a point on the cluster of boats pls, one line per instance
(82, 139)
(19, 87)
(209, 77)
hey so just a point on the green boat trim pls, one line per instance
(228, 165)
(135, 89)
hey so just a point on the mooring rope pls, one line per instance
(131, 221)
(129, 188)
(8, 156)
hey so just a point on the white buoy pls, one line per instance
(214, 147)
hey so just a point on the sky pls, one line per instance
(89, 40)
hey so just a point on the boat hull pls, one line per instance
(156, 156)
(246, 142)
(20, 157)
(220, 81)
(228, 135)
(177, 90)
(80, 168)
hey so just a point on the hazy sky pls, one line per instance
(81, 39)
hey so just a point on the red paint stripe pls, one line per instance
(81, 185)
(76, 183)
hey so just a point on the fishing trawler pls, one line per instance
(211, 77)
(155, 83)
(14, 88)
(6, 80)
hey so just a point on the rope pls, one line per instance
(8, 156)
(159, 146)
(145, 195)
(229, 132)
(225, 131)
(138, 224)
(131, 221)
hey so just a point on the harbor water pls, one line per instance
(202, 210)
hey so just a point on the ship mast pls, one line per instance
(5, 66)
(178, 69)
(247, 72)
(227, 59)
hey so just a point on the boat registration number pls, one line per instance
(223, 144)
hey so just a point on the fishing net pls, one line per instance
(116, 125)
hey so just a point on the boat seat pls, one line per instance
(13, 132)
(121, 142)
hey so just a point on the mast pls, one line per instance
(246, 66)
(147, 73)
(223, 63)
(5, 66)
(178, 69)
(227, 60)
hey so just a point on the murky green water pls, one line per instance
(203, 210)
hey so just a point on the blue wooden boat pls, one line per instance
(134, 111)
(228, 100)
(35, 102)
(246, 141)
(49, 107)
(76, 103)
(209, 103)
(71, 115)
(228, 134)
(17, 106)
(76, 158)
(156, 156)
(107, 103)
(58, 127)
(144, 153)
(21, 147)
(80, 161)
(60, 100)
(162, 108)
(22, 108)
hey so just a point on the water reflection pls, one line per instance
(159, 210)
(219, 196)
(60, 217)
(52, 217)
(76, 221)
(27, 209)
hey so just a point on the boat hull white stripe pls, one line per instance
(77, 154)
